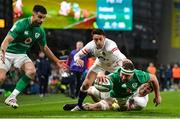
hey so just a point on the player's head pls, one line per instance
(145, 89)
(79, 45)
(39, 15)
(41, 54)
(127, 70)
(98, 36)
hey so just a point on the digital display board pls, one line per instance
(79, 14)
(114, 14)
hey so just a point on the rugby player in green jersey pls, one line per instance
(24, 33)
(129, 92)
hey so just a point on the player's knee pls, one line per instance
(2, 77)
(85, 87)
(31, 72)
(140, 103)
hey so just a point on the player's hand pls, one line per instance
(101, 77)
(157, 100)
(3, 56)
(80, 62)
(61, 64)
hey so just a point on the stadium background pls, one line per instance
(154, 38)
(152, 33)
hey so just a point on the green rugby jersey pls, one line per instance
(125, 89)
(25, 35)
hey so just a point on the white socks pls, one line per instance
(14, 93)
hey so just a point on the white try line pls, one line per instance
(96, 117)
(45, 103)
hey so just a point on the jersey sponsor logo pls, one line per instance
(124, 85)
(37, 35)
(101, 55)
(101, 58)
(134, 85)
(28, 41)
(26, 32)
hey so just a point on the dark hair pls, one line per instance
(98, 31)
(127, 64)
(39, 8)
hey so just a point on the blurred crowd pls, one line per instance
(168, 75)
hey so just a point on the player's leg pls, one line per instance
(98, 106)
(94, 93)
(137, 103)
(4, 67)
(97, 95)
(91, 76)
(106, 104)
(2, 75)
(29, 70)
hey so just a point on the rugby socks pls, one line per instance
(14, 93)
(21, 85)
(82, 96)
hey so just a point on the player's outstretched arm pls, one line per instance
(157, 99)
(52, 57)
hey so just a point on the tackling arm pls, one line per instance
(155, 83)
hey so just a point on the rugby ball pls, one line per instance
(103, 86)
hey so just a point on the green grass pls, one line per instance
(33, 106)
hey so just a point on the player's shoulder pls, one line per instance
(109, 41)
(23, 21)
(41, 29)
(141, 74)
(109, 44)
(91, 44)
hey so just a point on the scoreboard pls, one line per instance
(114, 14)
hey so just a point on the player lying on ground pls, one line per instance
(126, 80)
(137, 101)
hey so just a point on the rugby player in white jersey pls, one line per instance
(108, 58)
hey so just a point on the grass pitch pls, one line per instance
(33, 106)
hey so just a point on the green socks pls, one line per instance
(22, 83)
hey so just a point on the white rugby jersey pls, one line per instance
(108, 54)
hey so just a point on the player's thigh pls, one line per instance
(91, 76)
(29, 68)
(140, 102)
(2, 75)
(20, 60)
(92, 91)
(8, 62)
